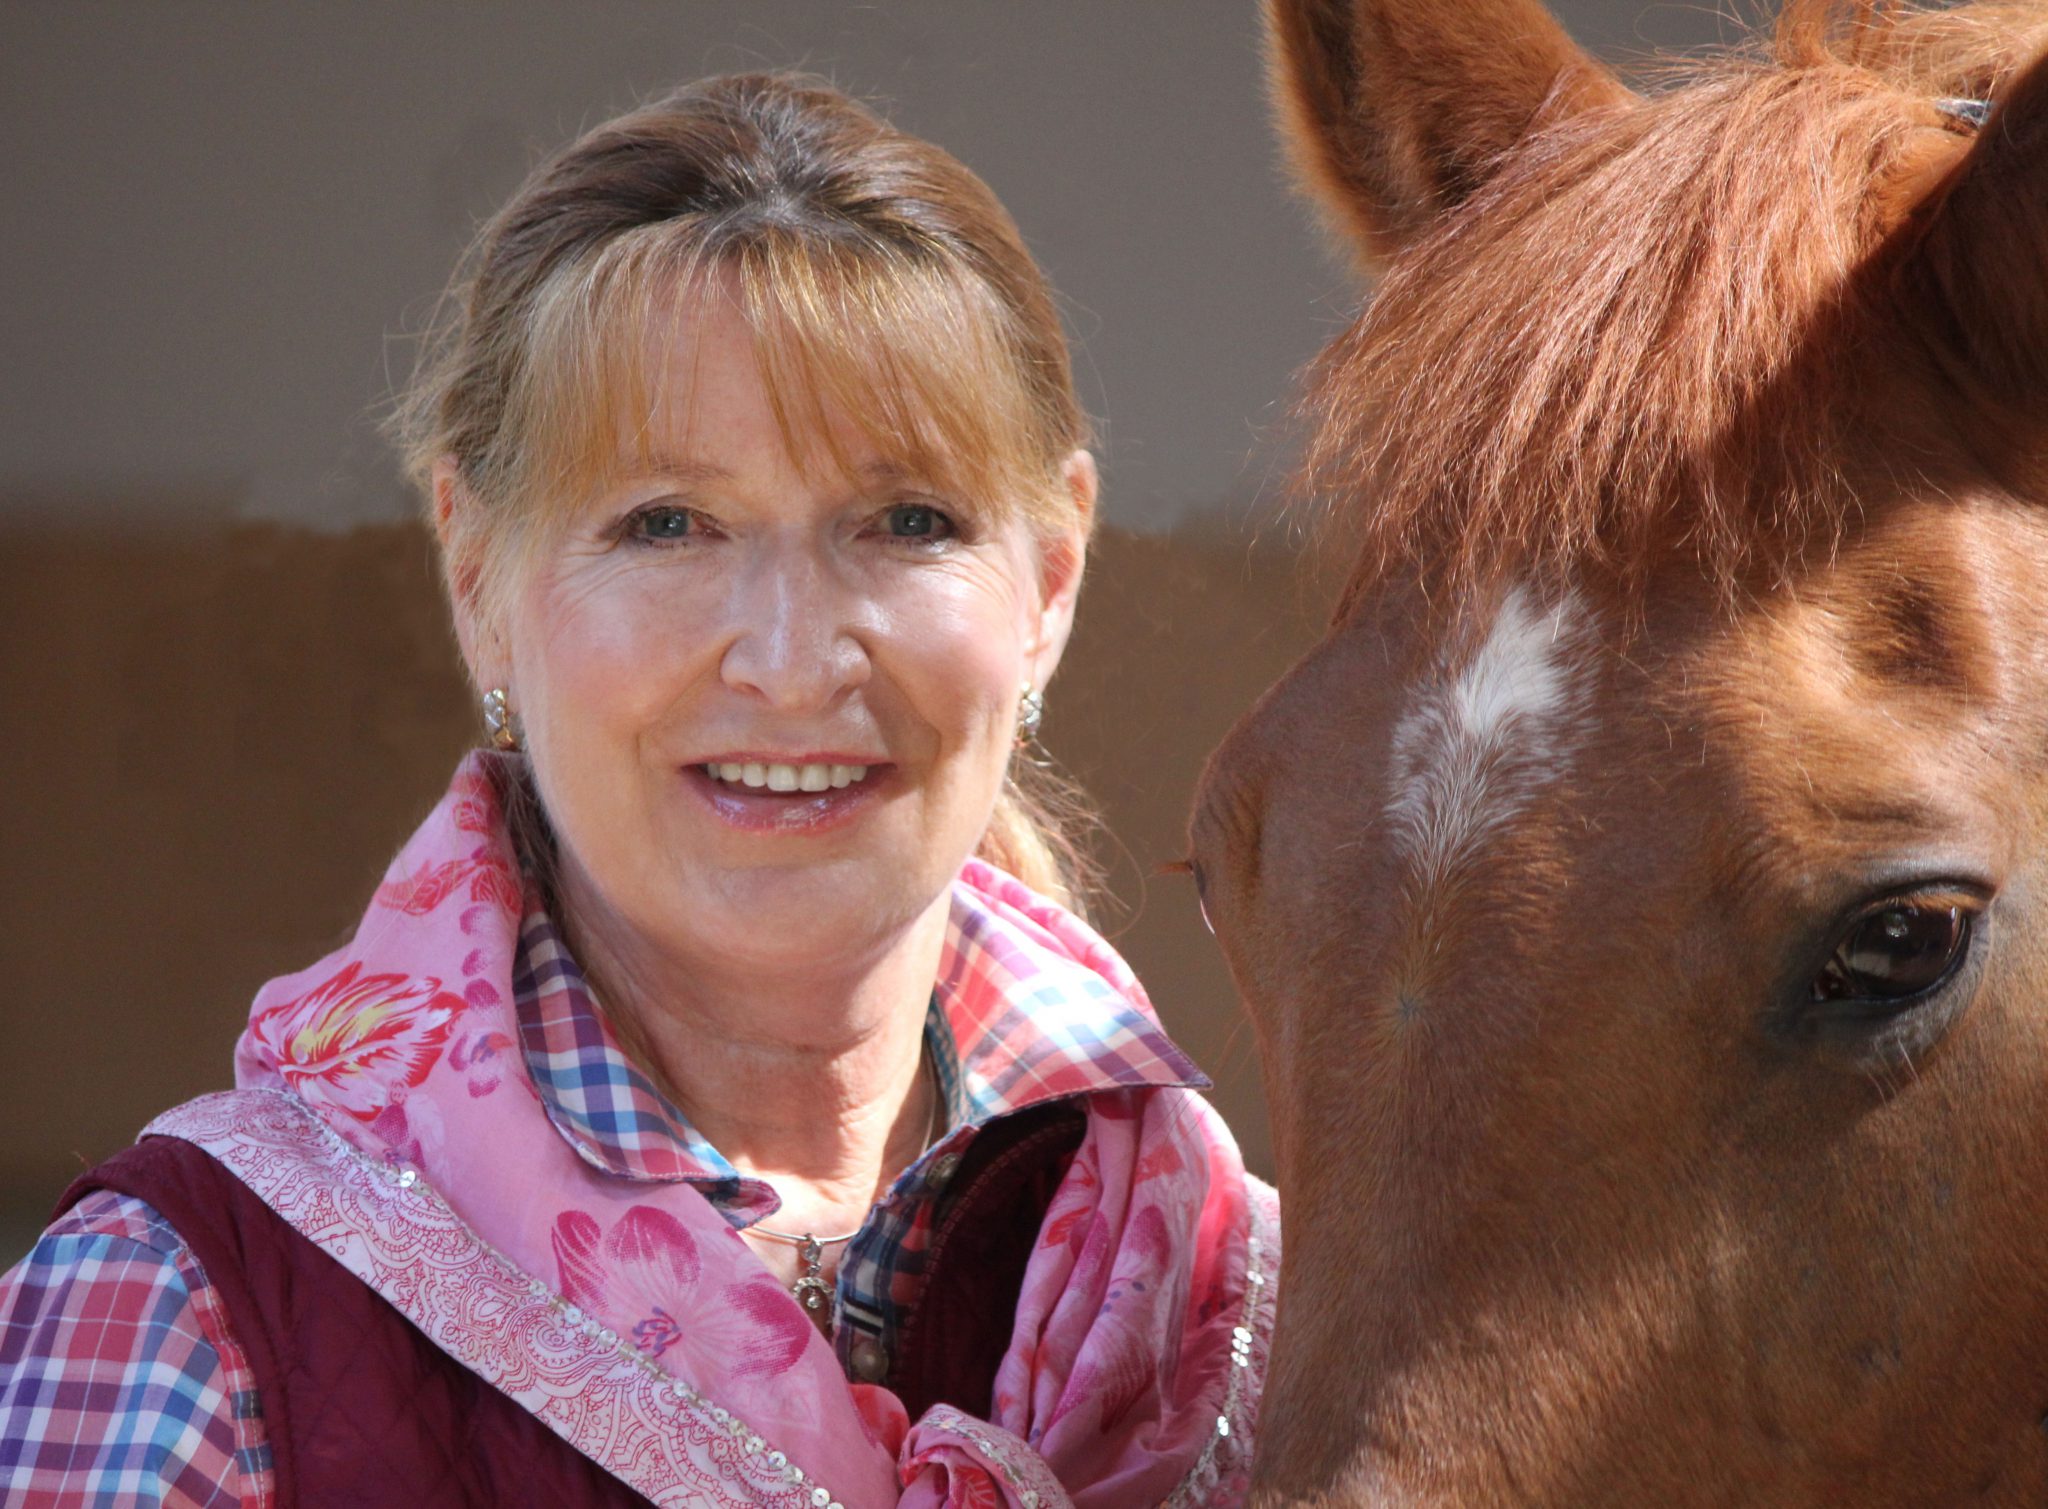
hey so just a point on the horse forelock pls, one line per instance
(1651, 331)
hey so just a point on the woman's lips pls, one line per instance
(775, 805)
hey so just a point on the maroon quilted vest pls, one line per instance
(361, 1409)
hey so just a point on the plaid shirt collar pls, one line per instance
(1014, 1022)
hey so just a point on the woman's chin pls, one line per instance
(795, 917)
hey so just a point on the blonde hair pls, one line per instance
(883, 281)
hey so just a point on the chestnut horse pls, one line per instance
(1641, 895)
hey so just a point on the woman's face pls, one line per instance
(769, 713)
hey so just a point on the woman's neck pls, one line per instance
(810, 1078)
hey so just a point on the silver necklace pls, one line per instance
(810, 1290)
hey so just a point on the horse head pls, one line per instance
(1641, 894)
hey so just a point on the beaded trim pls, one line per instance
(1251, 1340)
(229, 1122)
(1025, 1471)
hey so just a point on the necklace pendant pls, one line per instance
(812, 1292)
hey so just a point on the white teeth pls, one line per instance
(759, 773)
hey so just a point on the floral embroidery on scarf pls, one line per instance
(358, 1042)
(647, 1266)
(488, 867)
(648, 1249)
(490, 881)
(1071, 1216)
(484, 1059)
(477, 808)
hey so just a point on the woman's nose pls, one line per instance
(793, 636)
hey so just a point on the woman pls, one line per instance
(716, 1103)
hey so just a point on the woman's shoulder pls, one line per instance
(106, 1217)
(109, 1251)
(118, 1376)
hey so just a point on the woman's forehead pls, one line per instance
(699, 388)
(841, 368)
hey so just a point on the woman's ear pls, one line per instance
(1062, 555)
(456, 532)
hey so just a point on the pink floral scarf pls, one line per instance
(410, 1135)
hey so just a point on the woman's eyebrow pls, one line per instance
(689, 469)
(881, 472)
(692, 471)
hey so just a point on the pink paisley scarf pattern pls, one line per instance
(1133, 1369)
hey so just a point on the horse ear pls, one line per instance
(1981, 245)
(1393, 111)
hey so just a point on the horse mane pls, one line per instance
(1630, 340)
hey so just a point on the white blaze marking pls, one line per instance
(1471, 749)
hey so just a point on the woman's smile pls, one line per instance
(795, 796)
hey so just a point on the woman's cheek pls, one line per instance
(616, 649)
(960, 666)
(976, 607)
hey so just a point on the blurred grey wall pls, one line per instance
(220, 213)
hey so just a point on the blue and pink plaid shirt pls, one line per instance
(121, 1384)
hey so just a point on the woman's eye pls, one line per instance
(1898, 951)
(917, 521)
(661, 523)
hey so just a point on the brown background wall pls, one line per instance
(216, 737)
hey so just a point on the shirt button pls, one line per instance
(942, 1170)
(870, 1360)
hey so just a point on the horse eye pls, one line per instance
(1201, 894)
(1899, 951)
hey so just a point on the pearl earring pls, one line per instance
(1030, 713)
(500, 722)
